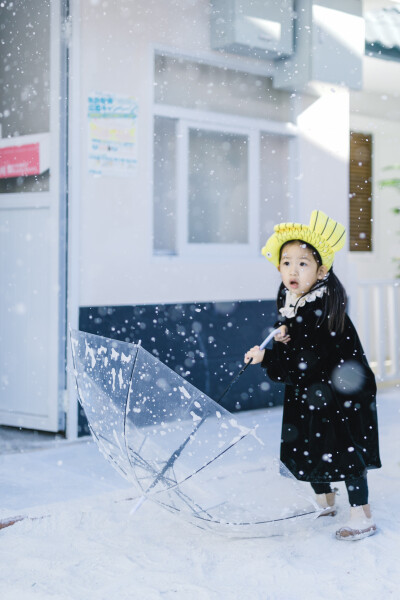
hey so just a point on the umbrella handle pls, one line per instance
(263, 345)
(269, 338)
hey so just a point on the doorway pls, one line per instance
(33, 205)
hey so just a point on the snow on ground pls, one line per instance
(87, 545)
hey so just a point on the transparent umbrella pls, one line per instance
(180, 448)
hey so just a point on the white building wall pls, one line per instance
(116, 262)
(386, 239)
(323, 172)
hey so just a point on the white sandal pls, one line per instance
(358, 527)
(327, 509)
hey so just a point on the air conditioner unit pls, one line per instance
(258, 28)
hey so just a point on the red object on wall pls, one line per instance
(19, 161)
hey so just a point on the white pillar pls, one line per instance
(73, 215)
(323, 158)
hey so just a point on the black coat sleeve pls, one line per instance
(351, 369)
(307, 356)
(274, 362)
(314, 353)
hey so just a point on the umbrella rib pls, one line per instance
(176, 454)
(145, 464)
(187, 502)
(210, 461)
(187, 499)
(126, 413)
(184, 497)
(305, 514)
(240, 523)
(172, 459)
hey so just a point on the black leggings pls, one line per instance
(357, 490)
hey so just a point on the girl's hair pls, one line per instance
(335, 299)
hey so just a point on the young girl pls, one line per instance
(329, 429)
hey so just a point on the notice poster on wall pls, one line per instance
(112, 123)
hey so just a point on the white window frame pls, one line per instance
(188, 118)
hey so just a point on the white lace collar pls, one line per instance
(292, 304)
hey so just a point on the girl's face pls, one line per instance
(299, 269)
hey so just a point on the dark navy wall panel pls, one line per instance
(204, 343)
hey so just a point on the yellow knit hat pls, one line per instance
(323, 233)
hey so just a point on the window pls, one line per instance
(220, 180)
(218, 187)
(25, 97)
(360, 192)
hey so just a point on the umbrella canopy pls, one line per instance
(180, 448)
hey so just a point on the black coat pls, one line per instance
(330, 427)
